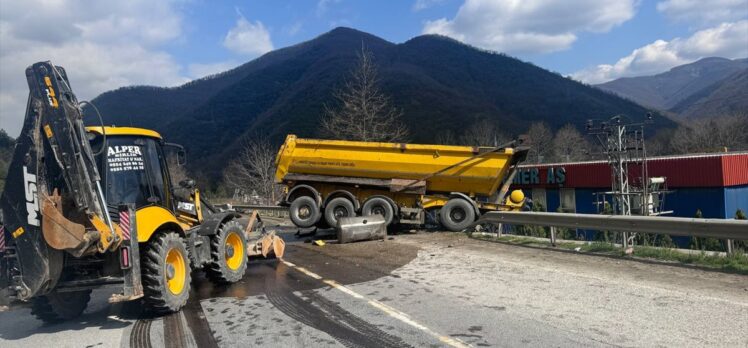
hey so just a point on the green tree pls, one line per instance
(741, 244)
(534, 231)
(698, 243)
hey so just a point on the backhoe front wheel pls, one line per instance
(166, 273)
(55, 307)
(228, 251)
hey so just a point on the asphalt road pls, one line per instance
(423, 290)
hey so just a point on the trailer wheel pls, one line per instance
(457, 214)
(378, 206)
(55, 307)
(228, 251)
(304, 211)
(338, 208)
(166, 273)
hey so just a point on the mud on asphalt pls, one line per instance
(289, 292)
(422, 290)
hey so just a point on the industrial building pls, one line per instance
(716, 184)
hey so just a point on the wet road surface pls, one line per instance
(425, 290)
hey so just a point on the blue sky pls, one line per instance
(109, 44)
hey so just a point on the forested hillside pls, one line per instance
(442, 86)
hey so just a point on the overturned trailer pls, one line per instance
(330, 179)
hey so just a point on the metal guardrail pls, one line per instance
(263, 210)
(694, 227)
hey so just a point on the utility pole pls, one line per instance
(632, 192)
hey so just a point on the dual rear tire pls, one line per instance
(338, 208)
(305, 212)
(457, 215)
(379, 206)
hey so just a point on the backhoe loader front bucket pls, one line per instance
(272, 243)
(267, 244)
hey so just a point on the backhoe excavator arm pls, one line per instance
(52, 201)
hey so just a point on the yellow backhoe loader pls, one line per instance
(85, 207)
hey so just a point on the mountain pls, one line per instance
(724, 97)
(440, 84)
(666, 90)
(6, 151)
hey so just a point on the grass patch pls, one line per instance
(736, 262)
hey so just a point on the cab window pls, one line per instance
(132, 171)
(122, 164)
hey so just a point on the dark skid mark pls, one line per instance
(346, 264)
(140, 336)
(174, 335)
(198, 324)
(326, 316)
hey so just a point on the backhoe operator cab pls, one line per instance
(176, 229)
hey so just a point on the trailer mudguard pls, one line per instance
(467, 198)
(302, 187)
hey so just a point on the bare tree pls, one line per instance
(541, 143)
(446, 137)
(722, 133)
(569, 145)
(177, 171)
(254, 170)
(483, 133)
(363, 112)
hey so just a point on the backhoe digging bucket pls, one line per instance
(61, 233)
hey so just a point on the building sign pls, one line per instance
(537, 176)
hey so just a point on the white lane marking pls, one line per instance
(382, 307)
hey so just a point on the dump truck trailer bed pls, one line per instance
(335, 178)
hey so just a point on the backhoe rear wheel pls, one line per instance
(166, 273)
(55, 307)
(228, 251)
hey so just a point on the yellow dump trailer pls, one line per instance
(329, 179)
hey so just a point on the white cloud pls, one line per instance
(531, 26)
(704, 12)
(420, 5)
(103, 45)
(324, 5)
(725, 40)
(293, 29)
(248, 38)
(199, 70)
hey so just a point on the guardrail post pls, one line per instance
(730, 246)
(553, 236)
(625, 240)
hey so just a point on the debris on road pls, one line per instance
(360, 228)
